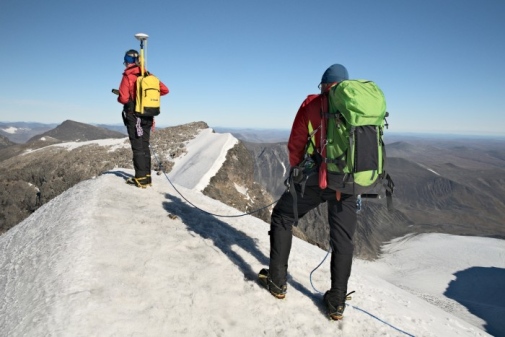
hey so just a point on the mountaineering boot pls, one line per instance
(335, 298)
(141, 182)
(335, 308)
(335, 311)
(266, 281)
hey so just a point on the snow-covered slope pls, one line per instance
(206, 154)
(105, 259)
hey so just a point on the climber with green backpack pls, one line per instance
(355, 150)
(336, 153)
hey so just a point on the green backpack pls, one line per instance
(355, 148)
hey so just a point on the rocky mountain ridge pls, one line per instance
(5, 142)
(43, 168)
(20, 132)
(454, 186)
(72, 131)
(65, 132)
(447, 187)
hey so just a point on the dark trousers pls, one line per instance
(342, 220)
(139, 143)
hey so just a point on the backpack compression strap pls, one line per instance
(340, 161)
(290, 188)
(389, 186)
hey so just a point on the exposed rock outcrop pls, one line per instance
(235, 186)
(34, 175)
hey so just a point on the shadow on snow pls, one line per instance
(225, 237)
(481, 291)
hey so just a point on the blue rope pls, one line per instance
(319, 265)
(352, 306)
(382, 321)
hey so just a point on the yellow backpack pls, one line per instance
(147, 101)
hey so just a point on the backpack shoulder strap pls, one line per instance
(145, 74)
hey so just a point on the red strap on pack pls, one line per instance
(338, 195)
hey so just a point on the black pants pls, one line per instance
(139, 143)
(342, 220)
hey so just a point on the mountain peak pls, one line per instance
(71, 130)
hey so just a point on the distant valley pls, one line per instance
(450, 185)
(443, 184)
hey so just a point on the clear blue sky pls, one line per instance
(441, 64)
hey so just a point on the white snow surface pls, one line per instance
(242, 190)
(284, 170)
(113, 143)
(429, 169)
(205, 155)
(105, 259)
(11, 130)
(439, 258)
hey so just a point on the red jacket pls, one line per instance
(308, 119)
(127, 89)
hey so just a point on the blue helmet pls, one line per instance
(131, 56)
